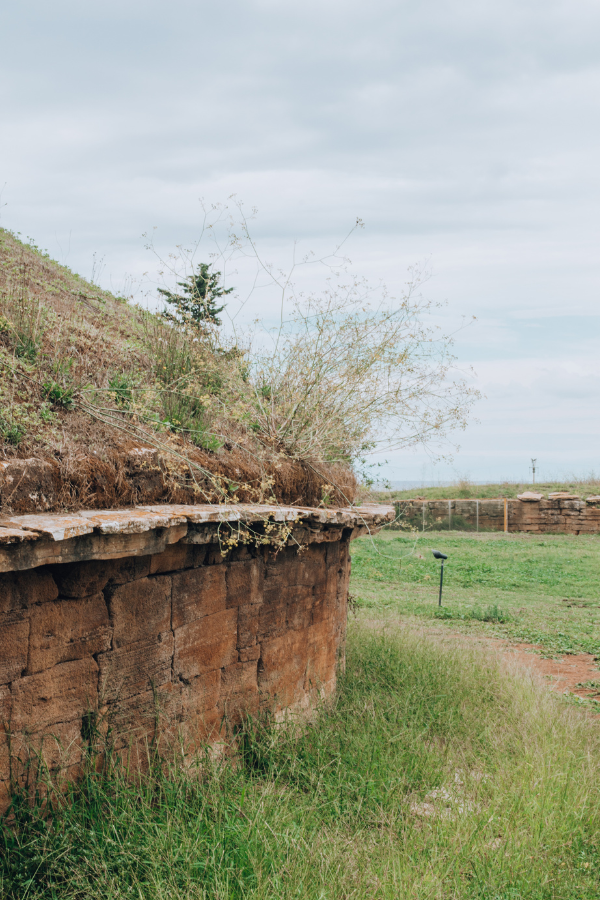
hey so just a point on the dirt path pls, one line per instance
(566, 674)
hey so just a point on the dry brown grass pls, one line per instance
(86, 377)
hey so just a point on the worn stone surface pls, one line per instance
(83, 579)
(47, 551)
(176, 557)
(140, 610)
(282, 669)
(14, 642)
(12, 534)
(18, 590)
(64, 630)
(198, 593)
(244, 582)
(200, 717)
(61, 694)
(208, 643)
(239, 690)
(56, 527)
(134, 668)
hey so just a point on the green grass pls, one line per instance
(466, 490)
(433, 775)
(541, 589)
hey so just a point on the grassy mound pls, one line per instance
(434, 774)
(87, 380)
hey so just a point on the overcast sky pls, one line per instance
(466, 133)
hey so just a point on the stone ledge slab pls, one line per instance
(149, 530)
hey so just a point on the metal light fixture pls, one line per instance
(441, 556)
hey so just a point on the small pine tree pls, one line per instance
(197, 304)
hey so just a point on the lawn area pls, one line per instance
(541, 589)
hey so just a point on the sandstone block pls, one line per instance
(206, 644)
(321, 655)
(134, 668)
(239, 689)
(132, 723)
(18, 590)
(61, 694)
(238, 678)
(174, 558)
(14, 642)
(299, 607)
(130, 568)
(198, 593)
(5, 711)
(83, 579)
(214, 557)
(64, 630)
(57, 747)
(282, 668)
(247, 654)
(325, 608)
(245, 582)
(272, 615)
(141, 610)
(200, 697)
(201, 718)
(247, 625)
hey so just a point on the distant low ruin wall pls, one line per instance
(165, 624)
(555, 516)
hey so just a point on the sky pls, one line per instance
(462, 133)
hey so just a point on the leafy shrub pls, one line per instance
(121, 384)
(491, 613)
(11, 431)
(58, 394)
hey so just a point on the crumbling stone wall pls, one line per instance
(174, 645)
(552, 516)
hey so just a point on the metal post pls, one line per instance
(505, 515)
(477, 513)
(423, 515)
(449, 515)
(441, 582)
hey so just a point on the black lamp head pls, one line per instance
(439, 555)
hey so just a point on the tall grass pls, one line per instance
(434, 774)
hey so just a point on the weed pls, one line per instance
(121, 384)
(25, 315)
(58, 394)
(59, 390)
(491, 613)
(590, 685)
(11, 431)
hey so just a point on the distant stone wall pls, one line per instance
(553, 516)
(171, 639)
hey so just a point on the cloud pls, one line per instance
(465, 132)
